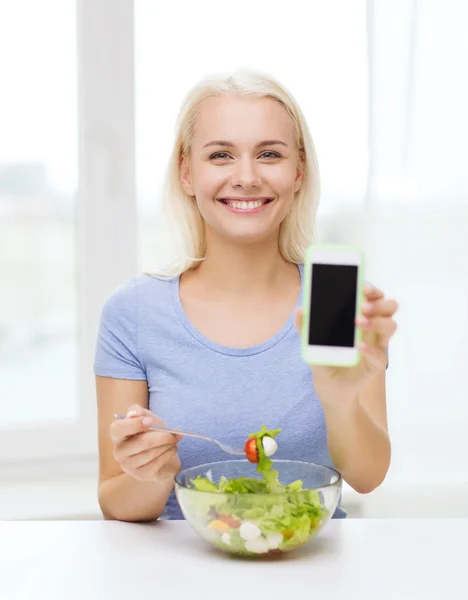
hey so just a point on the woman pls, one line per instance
(209, 344)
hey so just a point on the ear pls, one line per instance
(185, 177)
(299, 171)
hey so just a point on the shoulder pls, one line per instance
(152, 291)
(128, 295)
(148, 283)
(121, 299)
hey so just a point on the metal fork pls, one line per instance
(225, 447)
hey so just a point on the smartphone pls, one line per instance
(332, 295)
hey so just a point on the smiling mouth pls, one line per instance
(245, 204)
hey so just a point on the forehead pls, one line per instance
(242, 120)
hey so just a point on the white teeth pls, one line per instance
(246, 205)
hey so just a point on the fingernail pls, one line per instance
(363, 321)
(132, 413)
(146, 421)
(367, 307)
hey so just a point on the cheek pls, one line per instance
(282, 180)
(208, 180)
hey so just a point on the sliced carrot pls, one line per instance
(219, 525)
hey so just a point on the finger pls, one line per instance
(384, 307)
(121, 429)
(151, 469)
(371, 292)
(146, 441)
(151, 420)
(167, 471)
(173, 438)
(135, 461)
(385, 327)
(298, 318)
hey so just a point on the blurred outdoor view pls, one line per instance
(38, 177)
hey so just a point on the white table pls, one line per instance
(397, 559)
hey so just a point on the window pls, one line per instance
(67, 224)
(38, 176)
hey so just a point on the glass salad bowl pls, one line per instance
(231, 506)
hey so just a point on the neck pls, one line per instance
(250, 269)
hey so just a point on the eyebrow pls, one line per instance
(259, 145)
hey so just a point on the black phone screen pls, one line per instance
(333, 305)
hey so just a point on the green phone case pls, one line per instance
(306, 301)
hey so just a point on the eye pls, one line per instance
(219, 155)
(270, 154)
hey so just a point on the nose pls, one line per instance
(245, 174)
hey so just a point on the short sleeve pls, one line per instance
(116, 353)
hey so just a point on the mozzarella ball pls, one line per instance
(259, 545)
(249, 531)
(274, 539)
(269, 445)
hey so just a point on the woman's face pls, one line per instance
(244, 166)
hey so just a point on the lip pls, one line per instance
(245, 211)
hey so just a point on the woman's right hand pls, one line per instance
(145, 455)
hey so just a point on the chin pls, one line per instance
(248, 237)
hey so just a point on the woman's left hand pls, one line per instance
(378, 326)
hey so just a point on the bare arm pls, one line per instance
(358, 437)
(122, 496)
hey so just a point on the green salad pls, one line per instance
(277, 520)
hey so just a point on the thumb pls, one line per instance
(298, 318)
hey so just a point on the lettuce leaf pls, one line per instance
(265, 464)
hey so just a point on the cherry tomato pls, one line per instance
(251, 450)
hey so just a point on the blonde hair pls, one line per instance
(180, 212)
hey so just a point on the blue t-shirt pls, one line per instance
(197, 385)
